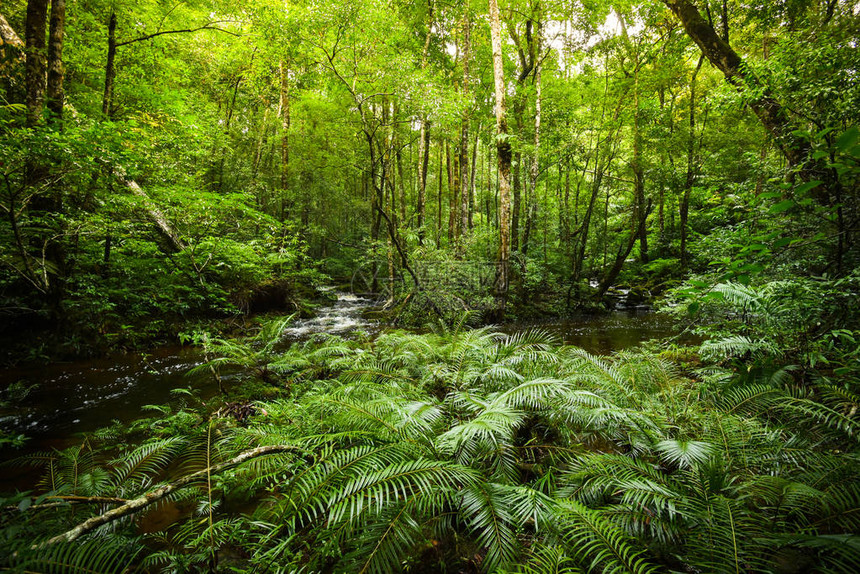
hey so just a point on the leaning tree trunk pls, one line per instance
(153, 496)
(8, 37)
(12, 50)
(721, 55)
(503, 151)
(165, 229)
(623, 252)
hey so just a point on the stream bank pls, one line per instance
(66, 400)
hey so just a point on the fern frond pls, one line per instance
(598, 544)
(94, 556)
(483, 506)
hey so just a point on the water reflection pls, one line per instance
(603, 334)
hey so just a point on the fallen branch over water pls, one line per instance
(147, 499)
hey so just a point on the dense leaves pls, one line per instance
(505, 452)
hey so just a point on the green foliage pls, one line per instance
(503, 450)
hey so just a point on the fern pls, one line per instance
(97, 556)
(598, 544)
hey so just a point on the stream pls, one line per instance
(67, 399)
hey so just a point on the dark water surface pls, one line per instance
(80, 397)
(604, 334)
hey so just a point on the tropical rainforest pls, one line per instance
(207, 172)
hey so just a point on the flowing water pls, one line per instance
(68, 399)
(344, 316)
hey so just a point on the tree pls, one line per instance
(504, 155)
(36, 60)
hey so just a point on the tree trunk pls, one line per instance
(639, 209)
(503, 150)
(721, 55)
(453, 188)
(8, 37)
(439, 202)
(534, 168)
(684, 208)
(517, 186)
(36, 63)
(424, 138)
(472, 180)
(12, 62)
(463, 223)
(623, 253)
(56, 70)
(424, 162)
(110, 69)
(586, 223)
(161, 222)
(258, 151)
(401, 182)
(285, 127)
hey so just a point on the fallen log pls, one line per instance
(161, 222)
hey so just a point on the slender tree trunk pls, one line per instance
(503, 150)
(640, 212)
(534, 167)
(690, 178)
(56, 70)
(564, 211)
(623, 252)
(439, 202)
(36, 62)
(424, 162)
(424, 138)
(285, 129)
(517, 184)
(401, 186)
(110, 68)
(472, 180)
(584, 226)
(258, 150)
(463, 223)
(374, 190)
(453, 188)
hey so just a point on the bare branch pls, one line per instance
(153, 496)
(207, 26)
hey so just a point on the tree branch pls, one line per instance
(153, 496)
(207, 26)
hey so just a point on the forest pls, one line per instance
(331, 247)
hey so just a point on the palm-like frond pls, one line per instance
(485, 510)
(598, 544)
(103, 556)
